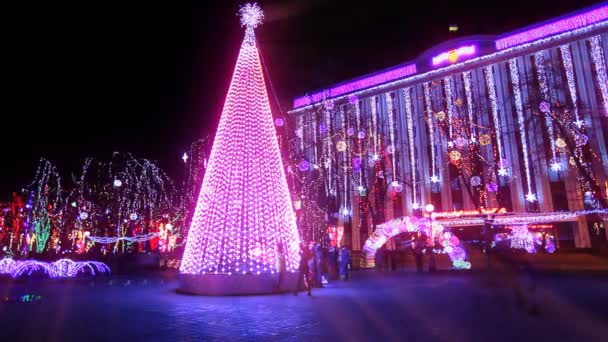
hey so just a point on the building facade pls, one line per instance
(517, 122)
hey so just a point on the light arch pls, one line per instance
(409, 224)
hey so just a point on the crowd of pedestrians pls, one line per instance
(318, 265)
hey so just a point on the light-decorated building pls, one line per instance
(516, 121)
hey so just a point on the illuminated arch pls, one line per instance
(450, 242)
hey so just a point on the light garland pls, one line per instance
(391, 132)
(598, 57)
(64, 268)
(374, 128)
(410, 137)
(567, 58)
(521, 218)
(539, 61)
(429, 119)
(558, 26)
(359, 131)
(502, 171)
(244, 211)
(107, 240)
(466, 76)
(315, 158)
(345, 163)
(522, 129)
(328, 160)
(300, 131)
(447, 83)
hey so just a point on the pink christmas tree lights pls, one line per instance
(244, 215)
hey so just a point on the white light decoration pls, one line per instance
(315, 159)
(374, 128)
(345, 163)
(429, 208)
(521, 238)
(117, 183)
(539, 61)
(300, 131)
(530, 197)
(328, 146)
(599, 61)
(466, 76)
(244, 210)
(410, 138)
(502, 172)
(520, 121)
(397, 186)
(434, 179)
(251, 17)
(494, 107)
(185, 157)
(429, 118)
(415, 206)
(391, 132)
(475, 181)
(447, 83)
(63, 268)
(84, 215)
(139, 238)
(556, 166)
(133, 216)
(567, 58)
(521, 218)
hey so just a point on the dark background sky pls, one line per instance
(89, 78)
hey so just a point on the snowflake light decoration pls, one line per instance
(251, 15)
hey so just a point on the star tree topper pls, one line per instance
(251, 17)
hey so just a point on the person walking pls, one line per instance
(344, 262)
(318, 267)
(416, 246)
(304, 270)
(333, 262)
(380, 259)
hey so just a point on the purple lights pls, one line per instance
(357, 85)
(552, 28)
(64, 268)
(476, 50)
(455, 55)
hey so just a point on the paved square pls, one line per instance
(397, 306)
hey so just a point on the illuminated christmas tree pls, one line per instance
(244, 215)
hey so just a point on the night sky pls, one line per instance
(90, 78)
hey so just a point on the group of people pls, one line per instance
(317, 262)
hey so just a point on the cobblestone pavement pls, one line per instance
(397, 306)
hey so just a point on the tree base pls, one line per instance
(237, 284)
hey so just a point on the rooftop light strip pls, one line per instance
(469, 62)
(556, 27)
(360, 84)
